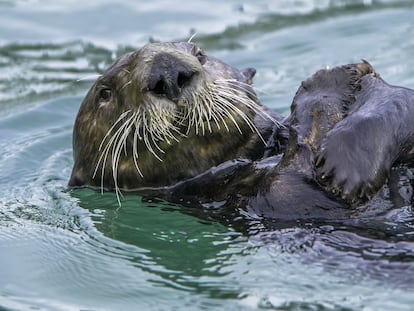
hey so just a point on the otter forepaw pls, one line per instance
(346, 171)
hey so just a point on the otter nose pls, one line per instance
(168, 76)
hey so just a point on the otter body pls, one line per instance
(171, 122)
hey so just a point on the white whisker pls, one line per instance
(90, 77)
(192, 37)
(247, 120)
(248, 102)
(104, 154)
(126, 84)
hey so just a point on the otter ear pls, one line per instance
(249, 73)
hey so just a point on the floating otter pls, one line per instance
(165, 113)
(170, 121)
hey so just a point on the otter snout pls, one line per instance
(169, 76)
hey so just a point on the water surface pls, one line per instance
(65, 250)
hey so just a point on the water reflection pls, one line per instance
(380, 249)
(187, 252)
(202, 256)
(58, 254)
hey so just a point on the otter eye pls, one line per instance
(105, 94)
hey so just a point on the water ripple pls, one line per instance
(70, 250)
(34, 72)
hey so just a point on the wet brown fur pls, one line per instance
(191, 148)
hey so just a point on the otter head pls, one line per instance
(161, 114)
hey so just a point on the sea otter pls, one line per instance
(165, 113)
(172, 122)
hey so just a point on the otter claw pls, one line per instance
(318, 161)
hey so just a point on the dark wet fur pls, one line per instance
(358, 153)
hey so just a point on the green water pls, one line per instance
(64, 250)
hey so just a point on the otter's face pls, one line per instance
(148, 100)
(171, 78)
